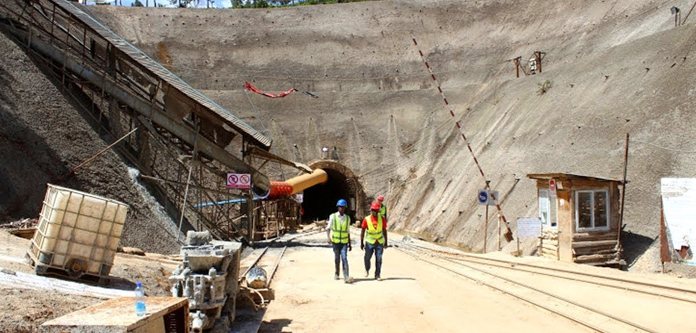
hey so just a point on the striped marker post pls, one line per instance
(508, 233)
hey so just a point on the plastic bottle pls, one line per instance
(139, 299)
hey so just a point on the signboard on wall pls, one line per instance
(528, 227)
(679, 212)
(239, 180)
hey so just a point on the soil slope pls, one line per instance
(43, 137)
(614, 68)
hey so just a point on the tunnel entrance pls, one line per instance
(319, 201)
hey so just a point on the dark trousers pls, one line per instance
(341, 254)
(378, 250)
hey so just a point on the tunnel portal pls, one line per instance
(319, 201)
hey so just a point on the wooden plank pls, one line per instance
(24, 233)
(118, 315)
(585, 236)
(595, 247)
(612, 242)
(595, 258)
(549, 247)
(586, 251)
(550, 255)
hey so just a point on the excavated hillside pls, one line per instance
(613, 68)
(43, 137)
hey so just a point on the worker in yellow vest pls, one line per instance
(338, 234)
(382, 206)
(376, 241)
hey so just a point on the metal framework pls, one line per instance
(183, 139)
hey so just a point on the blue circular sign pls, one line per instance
(483, 196)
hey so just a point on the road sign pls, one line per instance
(483, 197)
(239, 180)
(552, 187)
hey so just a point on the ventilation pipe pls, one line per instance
(297, 184)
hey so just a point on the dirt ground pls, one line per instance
(418, 297)
(19, 315)
(414, 296)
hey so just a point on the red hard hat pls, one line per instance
(375, 206)
(380, 198)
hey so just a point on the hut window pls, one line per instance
(548, 212)
(591, 209)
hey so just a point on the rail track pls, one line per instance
(504, 276)
(267, 258)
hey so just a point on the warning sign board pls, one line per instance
(239, 180)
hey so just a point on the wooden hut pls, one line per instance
(580, 218)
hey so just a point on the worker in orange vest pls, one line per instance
(375, 225)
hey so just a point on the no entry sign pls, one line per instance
(552, 187)
(239, 180)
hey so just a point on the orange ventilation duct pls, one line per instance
(297, 184)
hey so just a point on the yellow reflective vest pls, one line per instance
(383, 210)
(374, 233)
(339, 233)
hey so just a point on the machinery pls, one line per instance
(207, 276)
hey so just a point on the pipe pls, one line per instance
(300, 183)
(297, 184)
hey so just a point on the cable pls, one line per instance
(665, 148)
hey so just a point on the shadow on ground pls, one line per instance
(383, 280)
(634, 246)
(274, 326)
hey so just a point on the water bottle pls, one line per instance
(139, 299)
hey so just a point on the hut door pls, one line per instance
(548, 209)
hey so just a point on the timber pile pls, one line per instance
(596, 248)
(548, 244)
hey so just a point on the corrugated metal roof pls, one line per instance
(569, 176)
(158, 70)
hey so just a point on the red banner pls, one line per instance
(248, 86)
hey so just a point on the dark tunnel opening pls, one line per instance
(320, 200)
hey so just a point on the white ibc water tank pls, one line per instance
(78, 233)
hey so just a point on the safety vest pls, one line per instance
(374, 233)
(383, 210)
(339, 233)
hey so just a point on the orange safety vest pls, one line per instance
(374, 233)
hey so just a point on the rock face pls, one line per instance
(608, 69)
